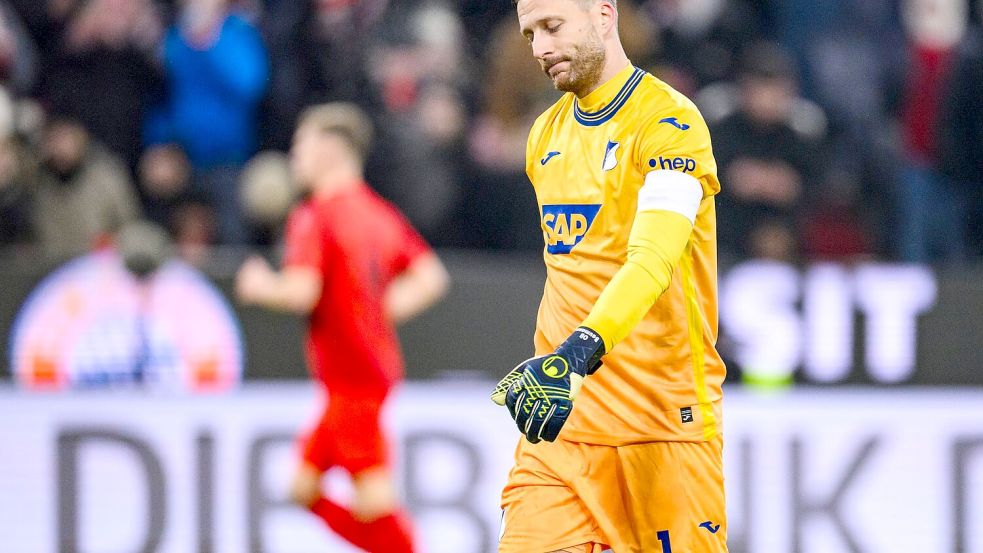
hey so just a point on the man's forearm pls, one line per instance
(289, 291)
(657, 241)
(418, 288)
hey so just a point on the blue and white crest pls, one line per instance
(610, 156)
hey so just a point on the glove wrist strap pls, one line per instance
(589, 342)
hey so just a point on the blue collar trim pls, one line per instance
(607, 112)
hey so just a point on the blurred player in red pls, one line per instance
(356, 267)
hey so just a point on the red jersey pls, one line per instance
(358, 243)
(927, 82)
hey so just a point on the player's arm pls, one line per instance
(295, 289)
(539, 392)
(668, 202)
(421, 285)
(667, 206)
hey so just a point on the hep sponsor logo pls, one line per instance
(683, 164)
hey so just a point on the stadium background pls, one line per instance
(155, 415)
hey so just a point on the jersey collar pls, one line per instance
(601, 104)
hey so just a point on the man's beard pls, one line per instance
(586, 63)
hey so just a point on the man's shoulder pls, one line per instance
(660, 110)
(104, 171)
(658, 97)
(553, 113)
(374, 204)
(362, 212)
(302, 215)
(654, 89)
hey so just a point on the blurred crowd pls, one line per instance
(843, 129)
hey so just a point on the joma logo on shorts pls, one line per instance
(710, 526)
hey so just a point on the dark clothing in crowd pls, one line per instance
(960, 137)
(78, 210)
(737, 139)
(107, 91)
(15, 215)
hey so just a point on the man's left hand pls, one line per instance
(539, 392)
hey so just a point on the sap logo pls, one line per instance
(685, 164)
(564, 225)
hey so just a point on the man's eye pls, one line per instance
(553, 29)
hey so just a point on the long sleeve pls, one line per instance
(657, 240)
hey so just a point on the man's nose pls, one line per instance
(542, 46)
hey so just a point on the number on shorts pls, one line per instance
(663, 536)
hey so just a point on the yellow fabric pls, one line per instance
(562, 494)
(697, 351)
(656, 242)
(585, 548)
(587, 178)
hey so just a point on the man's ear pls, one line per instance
(607, 16)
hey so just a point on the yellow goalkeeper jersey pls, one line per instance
(587, 159)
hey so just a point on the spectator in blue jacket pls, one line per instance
(216, 71)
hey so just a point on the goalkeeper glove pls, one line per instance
(539, 392)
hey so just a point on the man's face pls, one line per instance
(304, 155)
(565, 40)
(768, 100)
(936, 23)
(314, 152)
(64, 145)
(206, 5)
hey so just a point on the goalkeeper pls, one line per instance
(620, 408)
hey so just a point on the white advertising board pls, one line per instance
(819, 471)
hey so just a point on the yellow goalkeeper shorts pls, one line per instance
(657, 497)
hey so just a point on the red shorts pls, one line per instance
(348, 435)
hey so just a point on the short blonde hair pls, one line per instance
(585, 3)
(343, 119)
